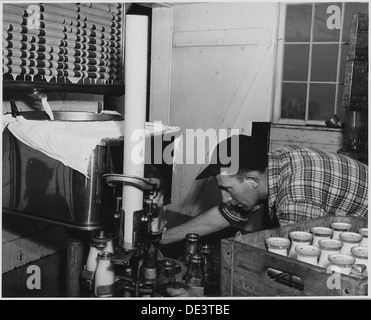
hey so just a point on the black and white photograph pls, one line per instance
(196, 153)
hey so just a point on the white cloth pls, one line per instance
(71, 142)
(7, 118)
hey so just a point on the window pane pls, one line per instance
(321, 101)
(324, 62)
(298, 21)
(350, 9)
(295, 65)
(321, 31)
(293, 100)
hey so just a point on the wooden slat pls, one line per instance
(356, 85)
(226, 274)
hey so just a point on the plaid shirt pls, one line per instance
(305, 183)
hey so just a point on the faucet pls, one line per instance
(37, 95)
(42, 97)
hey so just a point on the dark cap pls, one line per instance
(235, 152)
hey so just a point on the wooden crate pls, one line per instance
(245, 262)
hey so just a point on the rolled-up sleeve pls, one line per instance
(233, 216)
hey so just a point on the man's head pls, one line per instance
(242, 179)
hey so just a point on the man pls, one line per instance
(298, 183)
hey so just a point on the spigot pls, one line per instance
(37, 95)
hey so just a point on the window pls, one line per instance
(312, 52)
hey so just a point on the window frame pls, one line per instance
(280, 64)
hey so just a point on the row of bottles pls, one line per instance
(100, 242)
(194, 278)
(99, 263)
(198, 258)
(199, 261)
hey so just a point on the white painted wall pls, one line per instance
(212, 67)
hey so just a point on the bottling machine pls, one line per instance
(111, 195)
(37, 186)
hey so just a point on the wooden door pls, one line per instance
(220, 75)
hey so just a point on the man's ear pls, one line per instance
(253, 179)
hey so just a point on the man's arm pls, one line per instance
(205, 223)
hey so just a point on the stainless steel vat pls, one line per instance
(40, 187)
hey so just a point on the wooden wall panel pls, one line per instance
(217, 79)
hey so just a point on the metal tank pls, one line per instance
(38, 186)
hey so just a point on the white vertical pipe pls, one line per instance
(136, 51)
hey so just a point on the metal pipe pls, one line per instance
(75, 261)
(136, 55)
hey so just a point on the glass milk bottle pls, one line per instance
(338, 228)
(278, 245)
(195, 277)
(207, 251)
(298, 238)
(328, 246)
(307, 253)
(92, 260)
(349, 239)
(341, 263)
(320, 233)
(166, 278)
(109, 244)
(190, 246)
(364, 233)
(105, 274)
(360, 253)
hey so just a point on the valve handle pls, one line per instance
(141, 183)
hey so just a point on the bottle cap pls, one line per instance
(277, 243)
(206, 248)
(363, 232)
(307, 250)
(300, 236)
(330, 244)
(168, 264)
(342, 260)
(341, 226)
(360, 252)
(192, 236)
(97, 245)
(105, 255)
(322, 231)
(350, 237)
(196, 257)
